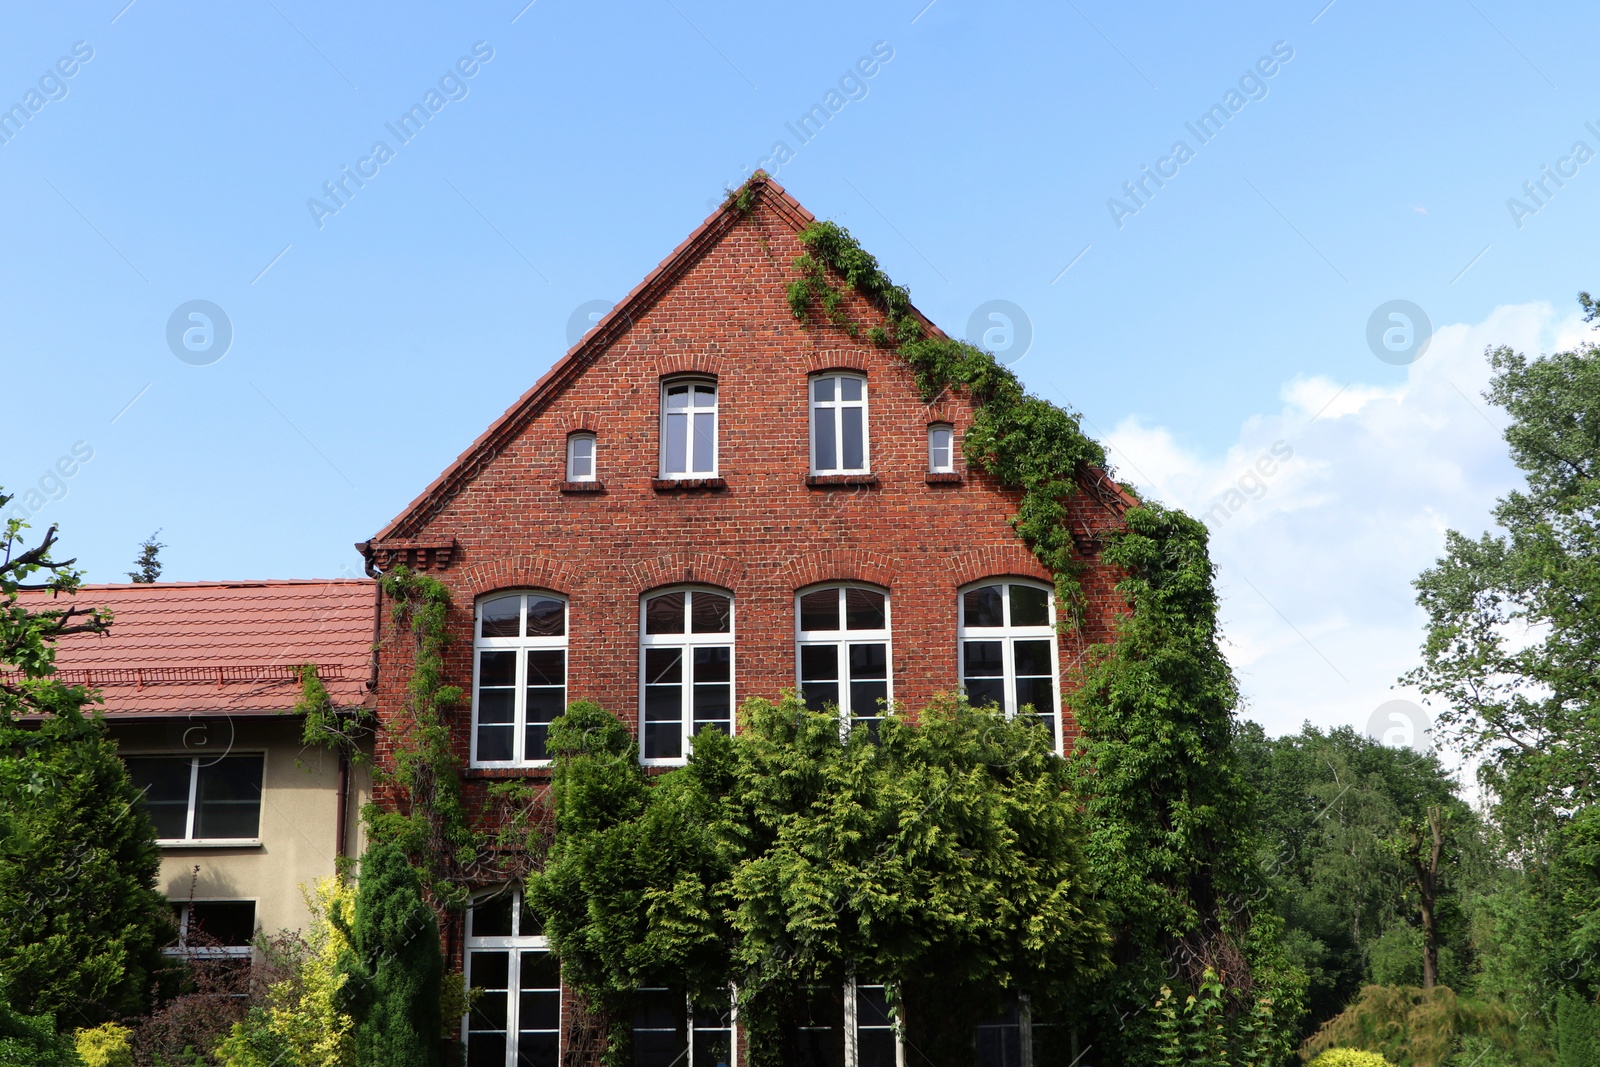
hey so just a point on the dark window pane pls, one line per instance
(230, 922)
(496, 705)
(872, 1006)
(530, 924)
(536, 741)
(850, 388)
(494, 743)
(497, 669)
(547, 666)
(492, 918)
(502, 616)
(827, 455)
(539, 1050)
(813, 1032)
(983, 606)
(663, 703)
(982, 659)
(820, 610)
(875, 1048)
(855, 439)
(228, 799)
(491, 970)
(547, 617)
(545, 703)
(869, 699)
(981, 691)
(818, 663)
(663, 740)
(713, 664)
(657, 1049)
(664, 614)
(869, 661)
(818, 695)
(489, 1012)
(712, 613)
(658, 1009)
(1029, 606)
(540, 971)
(663, 666)
(874, 1034)
(823, 389)
(164, 780)
(541, 1010)
(1036, 692)
(486, 1050)
(864, 609)
(999, 1045)
(677, 397)
(1032, 657)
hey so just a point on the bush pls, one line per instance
(1349, 1057)
(393, 969)
(1413, 1027)
(105, 1045)
(32, 1041)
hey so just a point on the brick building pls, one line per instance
(705, 500)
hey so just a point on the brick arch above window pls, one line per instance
(572, 422)
(688, 567)
(837, 359)
(995, 561)
(838, 565)
(689, 364)
(517, 572)
(940, 411)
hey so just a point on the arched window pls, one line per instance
(515, 1019)
(842, 651)
(581, 457)
(688, 428)
(685, 670)
(839, 424)
(520, 678)
(1008, 649)
(941, 448)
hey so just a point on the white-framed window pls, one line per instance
(515, 1019)
(846, 1025)
(839, 424)
(688, 428)
(214, 929)
(842, 652)
(674, 1030)
(519, 677)
(873, 1039)
(196, 800)
(685, 670)
(581, 457)
(1007, 639)
(941, 448)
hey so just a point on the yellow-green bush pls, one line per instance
(1349, 1057)
(1413, 1027)
(105, 1045)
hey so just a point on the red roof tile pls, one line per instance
(214, 647)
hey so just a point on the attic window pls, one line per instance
(689, 429)
(581, 457)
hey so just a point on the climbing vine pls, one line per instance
(1024, 442)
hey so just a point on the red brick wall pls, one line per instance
(767, 533)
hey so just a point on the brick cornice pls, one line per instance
(517, 572)
(838, 565)
(688, 566)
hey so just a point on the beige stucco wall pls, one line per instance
(299, 815)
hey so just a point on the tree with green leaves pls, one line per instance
(394, 968)
(147, 567)
(1512, 652)
(78, 859)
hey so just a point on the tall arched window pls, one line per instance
(685, 670)
(515, 1019)
(842, 651)
(520, 677)
(839, 424)
(1008, 649)
(688, 429)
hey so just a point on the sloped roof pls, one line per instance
(177, 648)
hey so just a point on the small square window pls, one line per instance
(581, 458)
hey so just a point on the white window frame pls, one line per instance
(852, 1025)
(687, 642)
(948, 466)
(839, 405)
(520, 645)
(188, 840)
(716, 427)
(515, 945)
(841, 639)
(594, 456)
(687, 1056)
(183, 950)
(1008, 635)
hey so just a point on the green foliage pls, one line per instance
(392, 970)
(1577, 1033)
(1349, 1057)
(78, 861)
(1024, 442)
(1198, 1033)
(105, 1045)
(32, 1041)
(428, 820)
(301, 1024)
(147, 567)
(1411, 1027)
(944, 859)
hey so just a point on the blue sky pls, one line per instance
(977, 163)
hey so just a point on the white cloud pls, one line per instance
(1316, 552)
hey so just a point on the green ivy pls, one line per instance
(1022, 441)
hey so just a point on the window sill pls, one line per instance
(521, 771)
(840, 481)
(675, 485)
(580, 487)
(944, 478)
(215, 842)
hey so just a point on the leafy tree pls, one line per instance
(393, 968)
(32, 1041)
(147, 567)
(78, 858)
(1513, 651)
